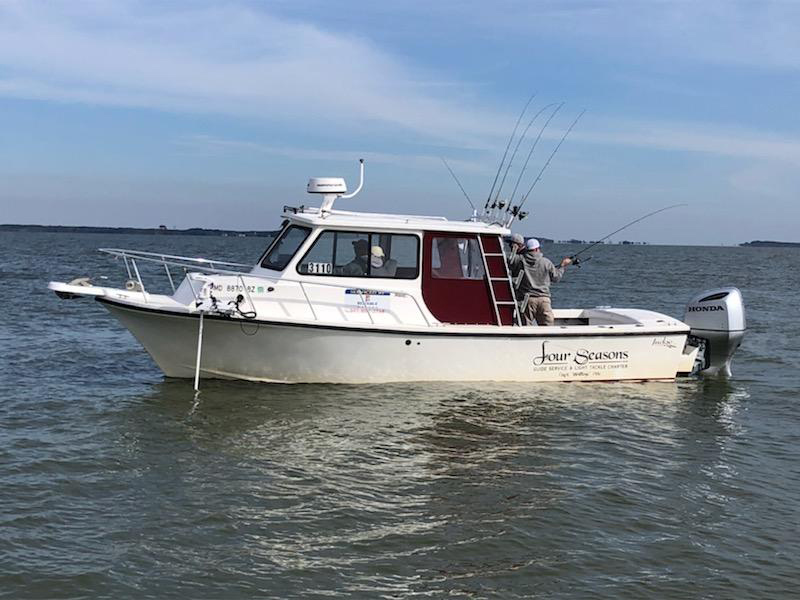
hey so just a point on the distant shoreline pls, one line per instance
(162, 230)
(136, 230)
(771, 244)
(201, 231)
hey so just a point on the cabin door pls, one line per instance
(454, 283)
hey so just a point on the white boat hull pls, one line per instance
(315, 353)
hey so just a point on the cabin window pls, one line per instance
(456, 258)
(285, 247)
(362, 254)
(351, 254)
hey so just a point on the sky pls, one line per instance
(211, 114)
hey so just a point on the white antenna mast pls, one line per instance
(360, 182)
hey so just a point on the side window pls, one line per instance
(319, 259)
(394, 256)
(352, 254)
(356, 254)
(456, 258)
(284, 249)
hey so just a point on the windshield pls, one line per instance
(285, 248)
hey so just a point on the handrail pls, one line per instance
(121, 252)
(200, 264)
(139, 279)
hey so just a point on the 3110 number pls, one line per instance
(317, 268)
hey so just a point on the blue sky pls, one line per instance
(215, 114)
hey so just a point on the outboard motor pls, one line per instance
(716, 318)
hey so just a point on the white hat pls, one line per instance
(532, 244)
(517, 239)
(376, 260)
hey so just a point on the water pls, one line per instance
(114, 483)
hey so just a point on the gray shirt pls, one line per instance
(532, 274)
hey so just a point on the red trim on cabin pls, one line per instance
(464, 301)
(491, 244)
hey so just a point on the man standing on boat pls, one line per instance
(533, 274)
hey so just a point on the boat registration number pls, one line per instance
(320, 268)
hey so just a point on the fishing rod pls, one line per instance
(530, 153)
(575, 256)
(461, 187)
(516, 148)
(511, 139)
(552, 154)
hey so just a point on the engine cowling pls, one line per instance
(717, 321)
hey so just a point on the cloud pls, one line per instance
(769, 181)
(233, 59)
(764, 34)
(227, 59)
(754, 34)
(693, 137)
(209, 144)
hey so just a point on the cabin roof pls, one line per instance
(371, 221)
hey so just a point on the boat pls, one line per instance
(356, 297)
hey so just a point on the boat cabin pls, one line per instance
(455, 271)
(390, 269)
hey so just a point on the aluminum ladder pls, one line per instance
(501, 288)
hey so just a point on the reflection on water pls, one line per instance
(432, 488)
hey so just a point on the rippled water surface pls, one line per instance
(114, 482)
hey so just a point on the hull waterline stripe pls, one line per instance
(406, 333)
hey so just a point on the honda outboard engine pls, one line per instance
(716, 318)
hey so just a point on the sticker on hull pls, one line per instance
(361, 301)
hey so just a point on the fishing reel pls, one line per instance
(579, 261)
(516, 213)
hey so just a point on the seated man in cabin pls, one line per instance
(358, 266)
(533, 275)
(380, 266)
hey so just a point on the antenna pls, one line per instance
(519, 142)
(511, 139)
(458, 183)
(360, 182)
(552, 154)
